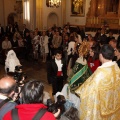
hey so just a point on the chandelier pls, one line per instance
(54, 3)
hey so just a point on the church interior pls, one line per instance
(39, 14)
(86, 17)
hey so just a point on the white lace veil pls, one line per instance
(11, 61)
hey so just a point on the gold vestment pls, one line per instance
(100, 94)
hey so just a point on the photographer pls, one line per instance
(7, 85)
(32, 97)
(19, 78)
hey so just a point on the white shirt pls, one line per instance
(3, 97)
(106, 64)
(59, 64)
(71, 45)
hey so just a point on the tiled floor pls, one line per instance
(34, 70)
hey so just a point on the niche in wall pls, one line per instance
(52, 19)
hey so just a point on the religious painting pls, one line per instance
(77, 7)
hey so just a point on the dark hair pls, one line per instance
(57, 52)
(72, 38)
(32, 92)
(75, 35)
(118, 48)
(107, 52)
(11, 74)
(8, 90)
(96, 50)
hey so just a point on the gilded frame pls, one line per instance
(78, 8)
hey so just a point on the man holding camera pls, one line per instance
(7, 85)
(32, 107)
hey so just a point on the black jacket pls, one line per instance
(52, 70)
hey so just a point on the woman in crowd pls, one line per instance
(71, 48)
(77, 44)
(20, 41)
(36, 46)
(117, 54)
(78, 37)
(14, 41)
(93, 59)
(80, 71)
(90, 38)
(11, 61)
(44, 45)
(65, 46)
(6, 44)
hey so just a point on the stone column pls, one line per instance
(93, 8)
(103, 7)
(32, 14)
(63, 11)
(119, 9)
(39, 20)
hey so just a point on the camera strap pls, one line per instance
(4, 102)
(38, 115)
(14, 114)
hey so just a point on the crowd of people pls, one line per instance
(83, 69)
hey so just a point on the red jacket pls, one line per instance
(28, 111)
(94, 64)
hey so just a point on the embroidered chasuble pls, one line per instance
(100, 94)
(79, 74)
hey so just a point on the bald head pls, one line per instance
(7, 85)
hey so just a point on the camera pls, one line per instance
(20, 77)
(53, 107)
(19, 74)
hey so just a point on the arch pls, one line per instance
(52, 19)
(12, 17)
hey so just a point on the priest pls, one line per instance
(100, 93)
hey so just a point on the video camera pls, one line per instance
(53, 107)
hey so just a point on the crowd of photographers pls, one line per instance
(22, 99)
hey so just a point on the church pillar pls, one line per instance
(103, 7)
(63, 5)
(93, 8)
(119, 9)
(39, 20)
(32, 14)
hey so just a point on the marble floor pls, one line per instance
(33, 70)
